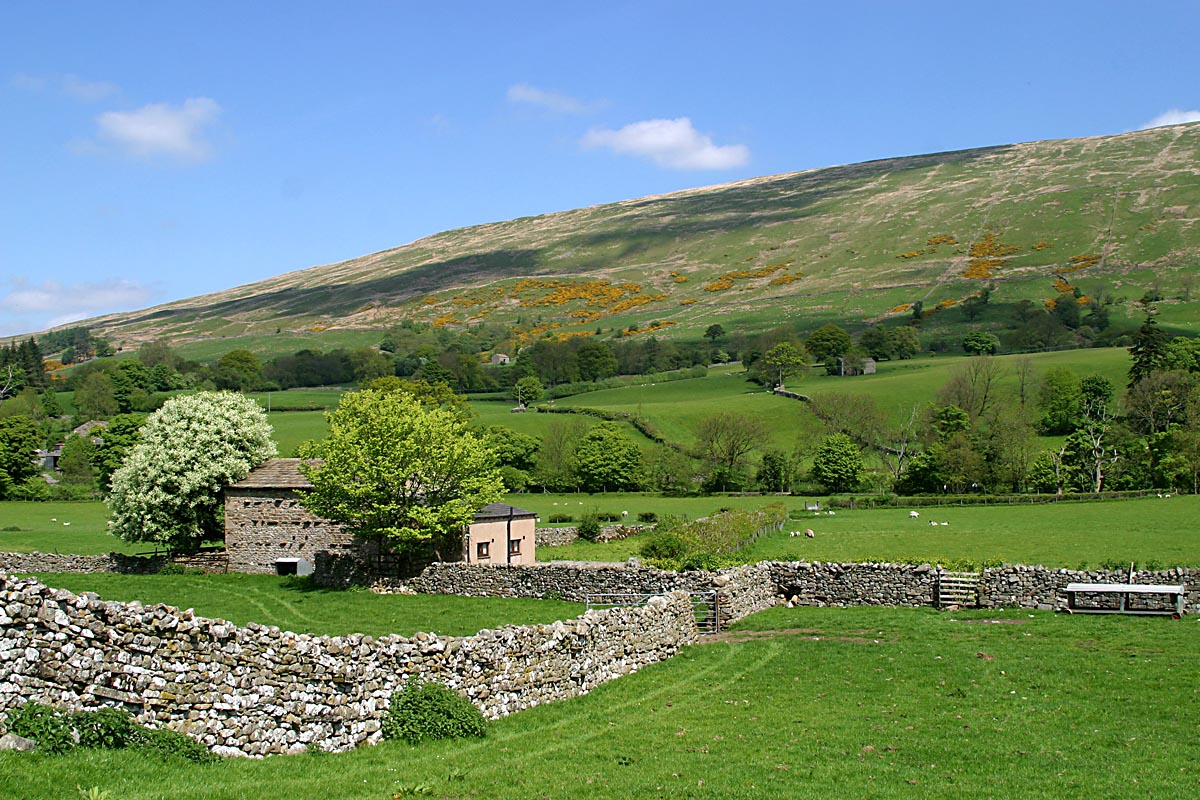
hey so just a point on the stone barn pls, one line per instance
(267, 530)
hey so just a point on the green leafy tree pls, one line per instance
(528, 390)
(785, 359)
(239, 370)
(75, 463)
(398, 470)
(714, 332)
(877, 343)
(838, 464)
(606, 460)
(96, 397)
(827, 343)
(774, 472)
(1149, 350)
(168, 490)
(1058, 401)
(980, 343)
(906, 342)
(19, 440)
(596, 360)
(121, 434)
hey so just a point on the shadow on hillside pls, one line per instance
(634, 227)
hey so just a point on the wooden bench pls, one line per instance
(1123, 591)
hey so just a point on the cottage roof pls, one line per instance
(501, 511)
(277, 473)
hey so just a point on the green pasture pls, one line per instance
(297, 605)
(76, 528)
(293, 427)
(1153, 532)
(797, 703)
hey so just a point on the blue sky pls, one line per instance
(156, 151)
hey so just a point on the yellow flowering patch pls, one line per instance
(987, 254)
(900, 309)
(689, 301)
(785, 279)
(947, 303)
(317, 328)
(936, 240)
(679, 277)
(719, 285)
(1043, 245)
(1082, 262)
(444, 320)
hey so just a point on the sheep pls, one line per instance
(624, 513)
(931, 522)
(914, 514)
(808, 533)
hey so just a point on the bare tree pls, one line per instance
(726, 439)
(10, 381)
(1026, 379)
(972, 387)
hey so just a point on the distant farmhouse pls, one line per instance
(500, 358)
(267, 530)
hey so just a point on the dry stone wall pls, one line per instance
(557, 537)
(256, 690)
(53, 562)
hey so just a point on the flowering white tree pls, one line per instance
(168, 490)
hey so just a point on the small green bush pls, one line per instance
(561, 518)
(588, 528)
(663, 546)
(429, 710)
(649, 517)
(169, 744)
(46, 726)
(105, 728)
(608, 516)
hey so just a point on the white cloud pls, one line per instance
(72, 86)
(670, 143)
(88, 91)
(553, 101)
(1173, 117)
(54, 303)
(160, 129)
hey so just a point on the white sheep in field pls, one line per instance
(931, 522)
(914, 514)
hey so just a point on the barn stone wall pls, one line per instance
(262, 525)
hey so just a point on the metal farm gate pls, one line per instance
(704, 604)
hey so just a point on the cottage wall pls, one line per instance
(262, 525)
(500, 535)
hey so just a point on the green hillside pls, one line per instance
(1109, 216)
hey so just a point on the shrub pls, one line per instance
(663, 547)
(428, 710)
(561, 518)
(107, 728)
(648, 517)
(608, 516)
(167, 743)
(46, 726)
(589, 526)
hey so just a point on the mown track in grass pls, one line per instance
(864, 702)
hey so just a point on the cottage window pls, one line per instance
(514, 547)
(481, 549)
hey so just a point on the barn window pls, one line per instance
(481, 549)
(514, 547)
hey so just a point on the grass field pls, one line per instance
(1151, 531)
(797, 703)
(44, 527)
(297, 605)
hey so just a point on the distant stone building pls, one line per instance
(847, 366)
(268, 530)
(500, 358)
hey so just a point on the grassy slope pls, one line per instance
(880, 703)
(841, 236)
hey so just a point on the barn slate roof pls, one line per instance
(276, 473)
